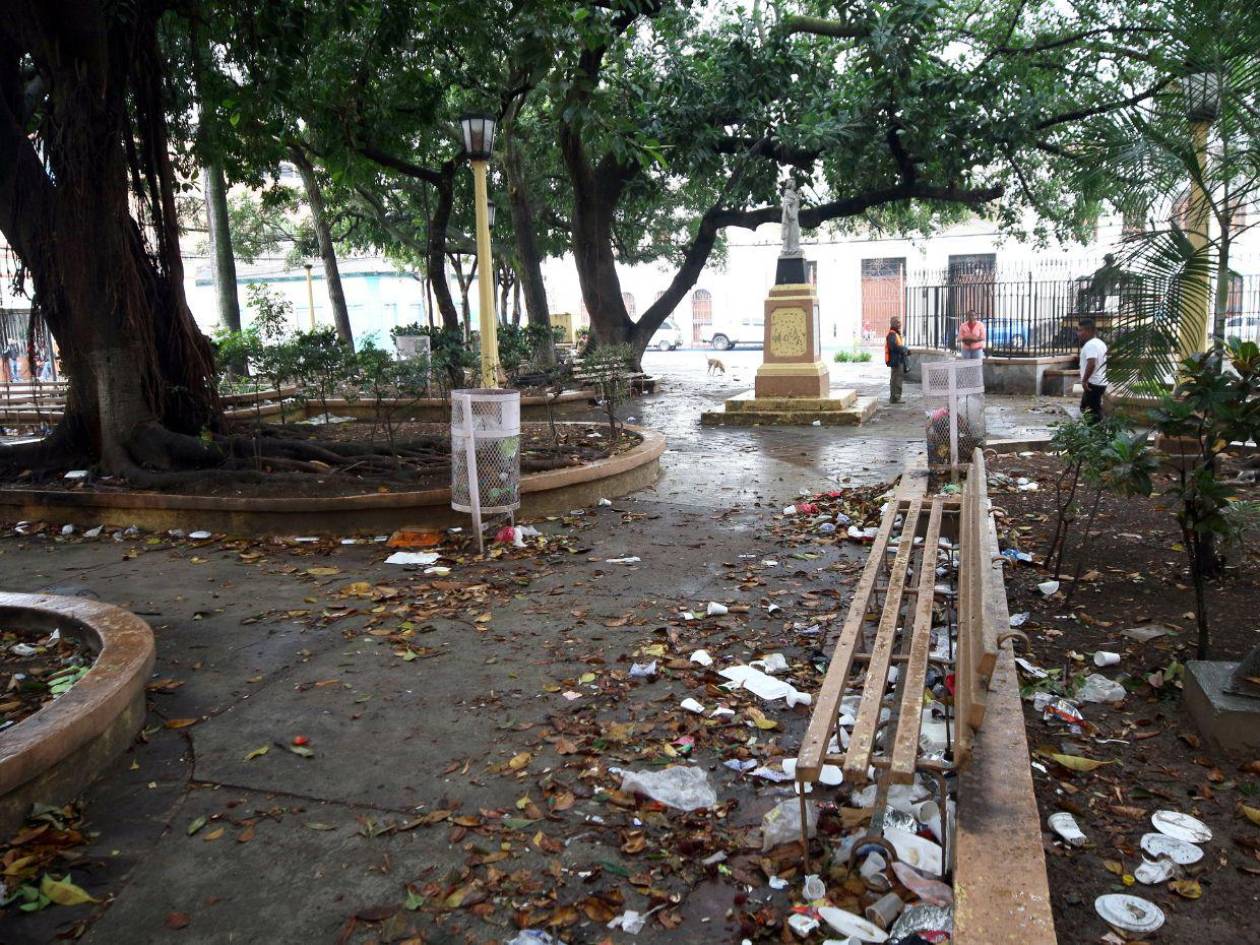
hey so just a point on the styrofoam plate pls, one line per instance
(846, 923)
(1129, 913)
(1179, 851)
(1181, 826)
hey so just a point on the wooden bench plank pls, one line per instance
(910, 715)
(862, 741)
(822, 722)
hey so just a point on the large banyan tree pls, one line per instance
(87, 203)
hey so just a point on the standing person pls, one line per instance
(896, 357)
(971, 337)
(1093, 368)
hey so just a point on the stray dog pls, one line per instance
(716, 366)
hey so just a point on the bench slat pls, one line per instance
(822, 722)
(862, 741)
(910, 716)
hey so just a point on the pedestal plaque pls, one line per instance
(792, 361)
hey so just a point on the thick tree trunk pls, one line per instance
(438, 225)
(524, 223)
(140, 371)
(221, 247)
(327, 251)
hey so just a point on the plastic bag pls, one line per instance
(681, 787)
(1098, 688)
(782, 824)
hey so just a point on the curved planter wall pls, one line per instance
(544, 493)
(51, 756)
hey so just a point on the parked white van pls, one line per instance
(723, 335)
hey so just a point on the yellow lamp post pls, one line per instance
(478, 132)
(1202, 95)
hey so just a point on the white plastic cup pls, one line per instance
(884, 910)
(813, 888)
(1105, 658)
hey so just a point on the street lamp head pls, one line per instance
(1201, 92)
(478, 131)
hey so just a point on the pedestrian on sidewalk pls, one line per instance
(971, 337)
(1093, 364)
(896, 356)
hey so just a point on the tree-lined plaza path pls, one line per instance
(455, 734)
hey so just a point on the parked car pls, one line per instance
(1004, 333)
(667, 337)
(749, 331)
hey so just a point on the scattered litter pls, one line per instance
(789, 510)
(1018, 620)
(1064, 824)
(1098, 688)
(782, 823)
(633, 559)
(1011, 554)
(773, 663)
(937, 922)
(884, 911)
(1048, 588)
(778, 882)
(691, 705)
(94, 532)
(67, 529)
(802, 925)
(758, 683)
(438, 571)
(702, 657)
(740, 765)
(716, 610)
(931, 891)
(722, 712)
(1036, 672)
(771, 774)
(606, 503)
(813, 887)
(773, 609)
(1152, 874)
(682, 787)
(630, 922)
(199, 535)
(533, 937)
(846, 923)
(1181, 826)
(413, 557)
(1181, 852)
(643, 670)
(1129, 913)
(796, 697)
(915, 851)
(77, 474)
(816, 423)
(1053, 707)
(1148, 632)
(1106, 658)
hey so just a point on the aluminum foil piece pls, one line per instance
(922, 917)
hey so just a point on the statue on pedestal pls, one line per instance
(791, 221)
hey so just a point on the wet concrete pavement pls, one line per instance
(503, 722)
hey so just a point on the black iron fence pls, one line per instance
(1037, 317)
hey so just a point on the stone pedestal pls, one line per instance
(792, 362)
(1229, 722)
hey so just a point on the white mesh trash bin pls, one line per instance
(485, 452)
(953, 396)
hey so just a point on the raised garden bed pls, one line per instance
(1152, 756)
(49, 755)
(413, 491)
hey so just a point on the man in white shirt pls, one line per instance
(1093, 368)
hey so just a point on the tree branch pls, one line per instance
(384, 159)
(1080, 113)
(820, 26)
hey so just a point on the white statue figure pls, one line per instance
(791, 221)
